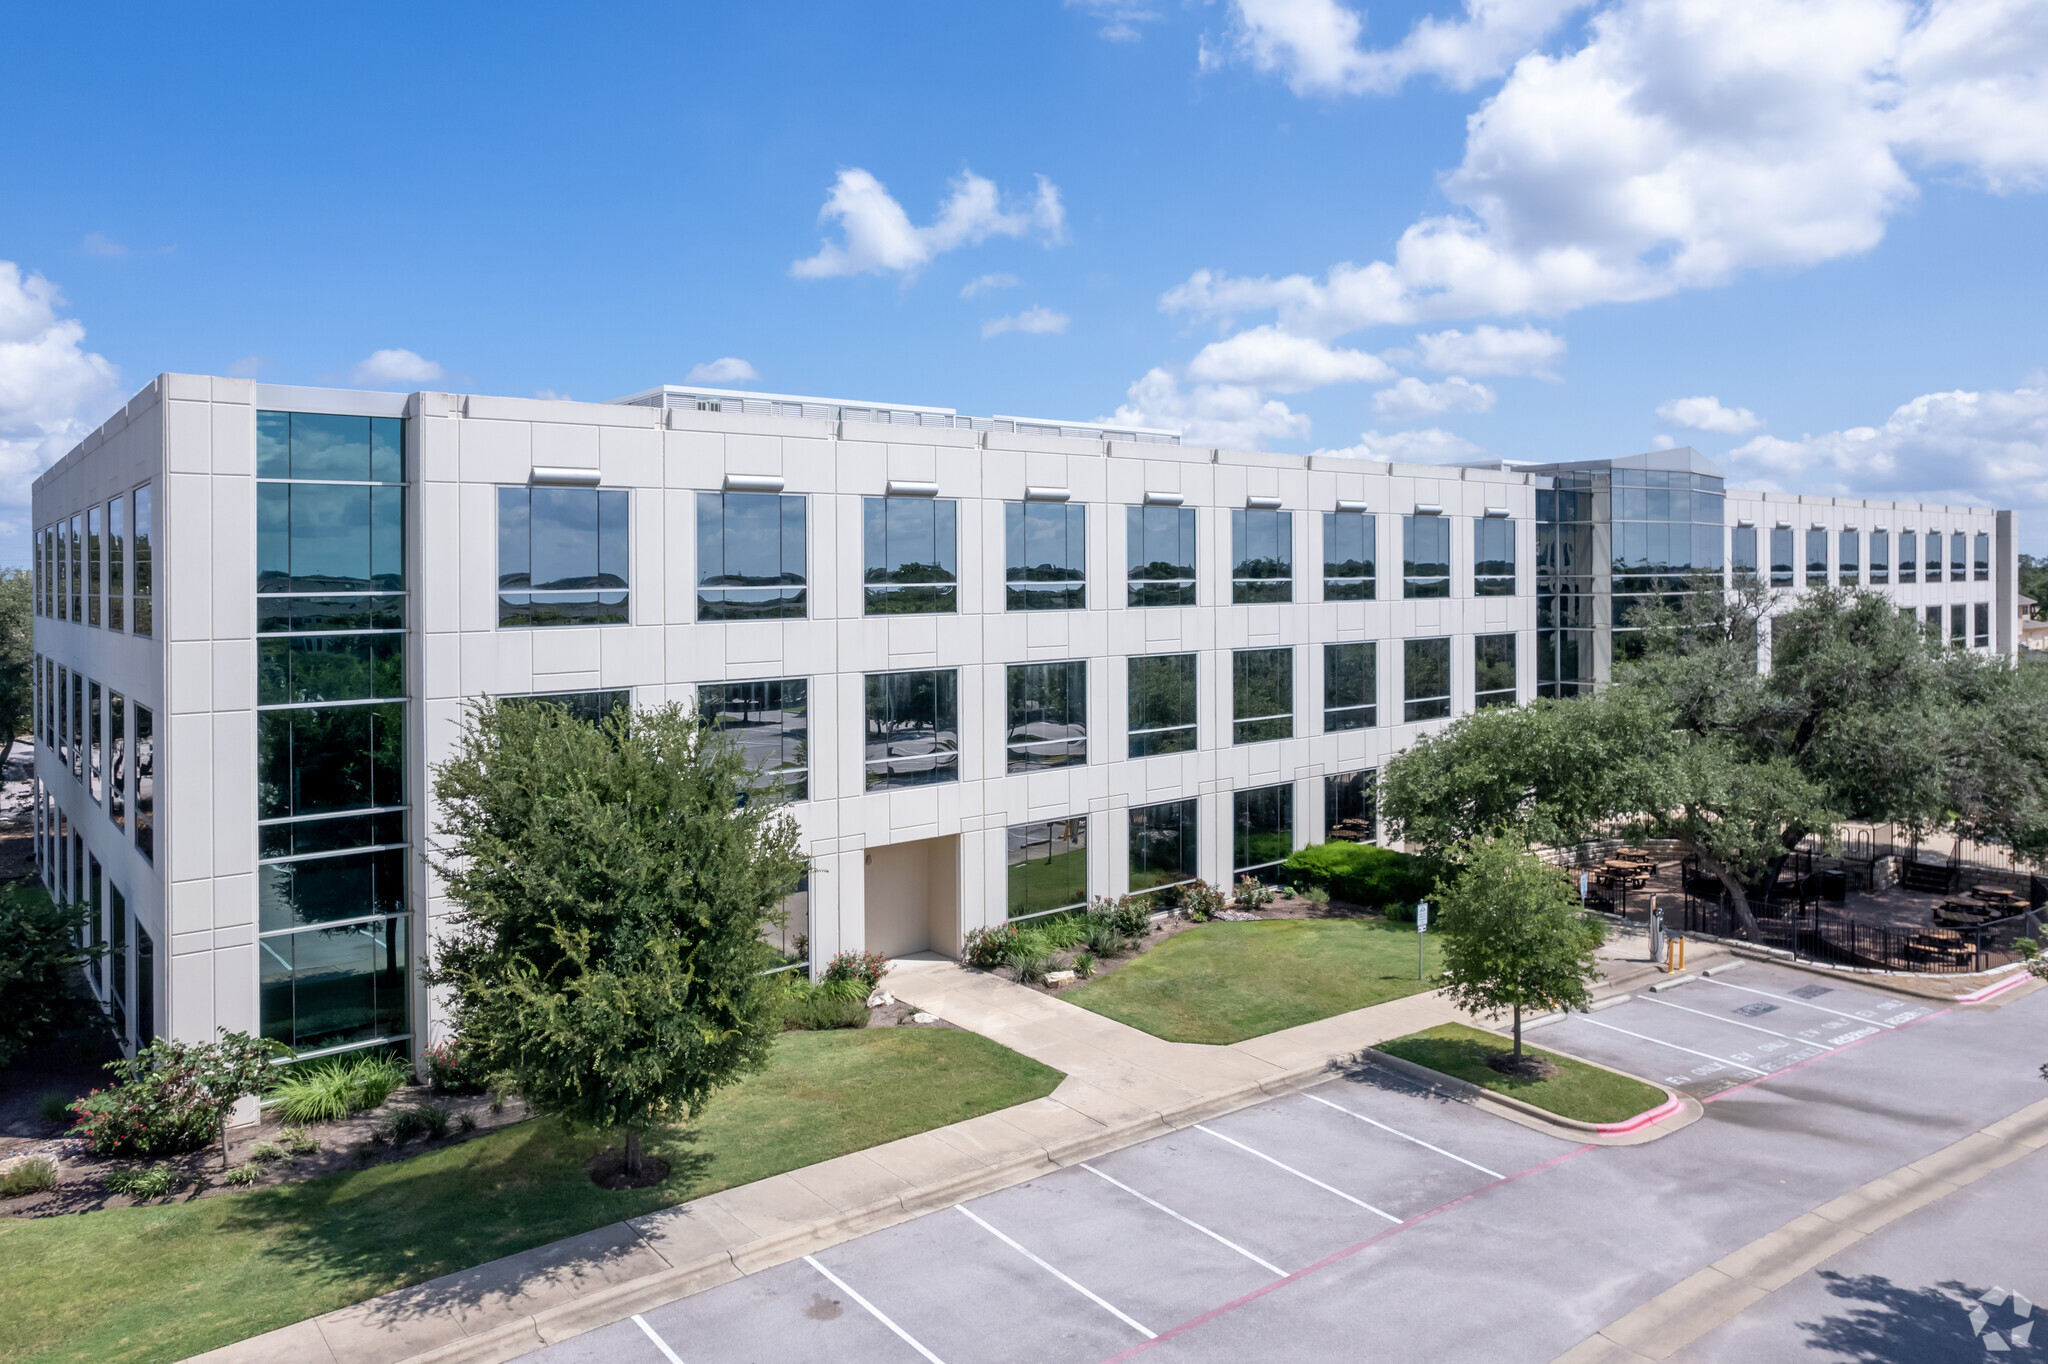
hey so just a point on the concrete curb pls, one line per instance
(1684, 1109)
(616, 1302)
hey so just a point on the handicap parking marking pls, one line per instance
(1327, 1188)
(1085, 1292)
(1794, 999)
(877, 1313)
(1829, 1045)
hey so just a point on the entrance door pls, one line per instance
(913, 900)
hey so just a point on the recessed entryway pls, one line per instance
(913, 897)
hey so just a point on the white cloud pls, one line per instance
(982, 284)
(249, 366)
(1313, 44)
(393, 368)
(1488, 349)
(52, 390)
(1119, 18)
(1681, 143)
(550, 395)
(726, 369)
(1267, 357)
(1409, 399)
(1707, 414)
(1430, 445)
(1033, 321)
(1987, 448)
(100, 244)
(879, 238)
(1232, 416)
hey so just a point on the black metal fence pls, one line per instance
(1809, 931)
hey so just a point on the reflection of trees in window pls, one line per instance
(1262, 828)
(1160, 547)
(1493, 671)
(1982, 558)
(911, 548)
(1048, 715)
(1349, 560)
(303, 668)
(1261, 555)
(1164, 844)
(145, 783)
(1850, 554)
(1425, 679)
(145, 563)
(1048, 867)
(1782, 567)
(1742, 553)
(1262, 695)
(1045, 560)
(562, 556)
(751, 561)
(1425, 556)
(1351, 807)
(329, 758)
(117, 760)
(1493, 557)
(769, 720)
(334, 987)
(1958, 569)
(1816, 558)
(1880, 558)
(1909, 556)
(1350, 686)
(913, 728)
(1162, 704)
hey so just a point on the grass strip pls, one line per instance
(1587, 1093)
(1223, 982)
(164, 1282)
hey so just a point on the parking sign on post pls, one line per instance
(1421, 927)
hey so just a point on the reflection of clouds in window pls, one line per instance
(562, 556)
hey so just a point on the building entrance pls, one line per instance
(913, 897)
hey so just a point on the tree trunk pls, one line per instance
(6, 752)
(1518, 1034)
(632, 1154)
(1738, 895)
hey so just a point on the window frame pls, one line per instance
(1494, 583)
(1150, 591)
(1048, 754)
(1482, 696)
(1338, 719)
(942, 590)
(1425, 586)
(945, 751)
(789, 779)
(1022, 591)
(1351, 586)
(788, 596)
(1247, 587)
(521, 605)
(1438, 704)
(1138, 735)
(1266, 727)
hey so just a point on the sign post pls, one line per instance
(1421, 927)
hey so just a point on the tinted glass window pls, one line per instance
(1164, 841)
(1425, 679)
(770, 720)
(1493, 557)
(1350, 686)
(1048, 715)
(1262, 695)
(1160, 546)
(1048, 867)
(1261, 555)
(1493, 673)
(1045, 556)
(911, 548)
(1425, 556)
(562, 556)
(1262, 827)
(1349, 557)
(751, 557)
(1350, 807)
(1162, 704)
(913, 728)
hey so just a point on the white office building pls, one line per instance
(995, 665)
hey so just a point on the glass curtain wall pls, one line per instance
(1669, 533)
(1159, 546)
(1565, 585)
(333, 844)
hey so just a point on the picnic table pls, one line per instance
(1629, 875)
(1960, 913)
(1993, 895)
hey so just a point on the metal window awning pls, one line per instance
(562, 477)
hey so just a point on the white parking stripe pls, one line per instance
(1220, 1240)
(1788, 999)
(1139, 1327)
(1772, 1032)
(1674, 1046)
(877, 1313)
(1298, 1174)
(1405, 1137)
(659, 1343)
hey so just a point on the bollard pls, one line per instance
(1656, 933)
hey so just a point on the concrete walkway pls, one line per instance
(1123, 1086)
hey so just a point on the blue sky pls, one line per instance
(1809, 233)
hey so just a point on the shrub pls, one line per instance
(987, 948)
(55, 1106)
(415, 1120)
(828, 1004)
(1105, 939)
(452, 1068)
(35, 1175)
(1061, 932)
(40, 963)
(466, 1122)
(867, 967)
(1084, 965)
(1364, 874)
(267, 1150)
(321, 1091)
(1030, 967)
(1200, 900)
(143, 1185)
(1315, 895)
(1251, 893)
(243, 1175)
(295, 1141)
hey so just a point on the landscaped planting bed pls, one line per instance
(1585, 1092)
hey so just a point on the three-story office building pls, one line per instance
(993, 665)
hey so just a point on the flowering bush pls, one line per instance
(988, 948)
(867, 967)
(1251, 893)
(173, 1096)
(451, 1068)
(1200, 901)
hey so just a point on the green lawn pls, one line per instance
(163, 1282)
(1580, 1091)
(1224, 982)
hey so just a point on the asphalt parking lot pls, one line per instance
(1369, 1219)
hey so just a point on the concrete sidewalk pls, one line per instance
(1123, 1086)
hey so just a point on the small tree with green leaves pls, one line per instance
(1513, 934)
(17, 655)
(42, 968)
(612, 887)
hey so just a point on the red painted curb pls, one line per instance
(1642, 1120)
(2014, 981)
